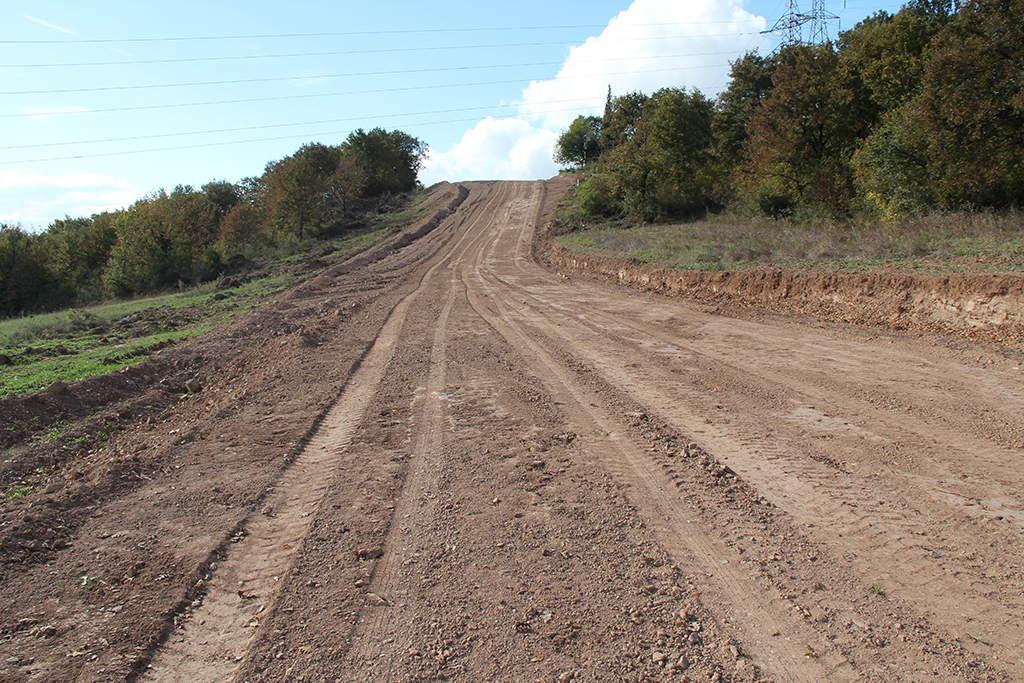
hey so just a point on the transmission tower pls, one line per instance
(790, 25)
(819, 22)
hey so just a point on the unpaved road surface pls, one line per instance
(445, 462)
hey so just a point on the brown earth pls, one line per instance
(440, 460)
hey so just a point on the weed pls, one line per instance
(55, 432)
(17, 491)
(732, 242)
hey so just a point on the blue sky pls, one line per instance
(103, 102)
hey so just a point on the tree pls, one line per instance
(663, 169)
(804, 134)
(240, 227)
(579, 144)
(297, 187)
(970, 111)
(388, 162)
(163, 238)
(25, 284)
(622, 115)
(750, 85)
(888, 54)
(223, 195)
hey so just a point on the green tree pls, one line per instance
(888, 53)
(223, 195)
(579, 144)
(664, 168)
(750, 84)
(622, 115)
(388, 162)
(25, 284)
(970, 111)
(161, 239)
(803, 136)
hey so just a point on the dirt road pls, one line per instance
(448, 463)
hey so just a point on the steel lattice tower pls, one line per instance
(790, 25)
(819, 22)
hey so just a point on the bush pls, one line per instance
(596, 197)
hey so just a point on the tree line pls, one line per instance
(183, 235)
(904, 114)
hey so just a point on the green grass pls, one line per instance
(75, 344)
(939, 244)
(17, 491)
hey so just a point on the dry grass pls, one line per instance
(936, 243)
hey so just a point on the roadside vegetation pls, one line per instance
(901, 142)
(184, 237)
(935, 243)
(83, 342)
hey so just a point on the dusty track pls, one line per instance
(464, 466)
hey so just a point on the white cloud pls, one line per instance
(505, 149)
(42, 197)
(650, 45)
(49, 25)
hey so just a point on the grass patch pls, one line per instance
(76, 344)
(941, 243)
(17, 491)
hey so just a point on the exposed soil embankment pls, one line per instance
(982, 306)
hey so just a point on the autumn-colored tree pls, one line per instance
(805, 133)
(297, 187)
(242, 225)
(970, 111)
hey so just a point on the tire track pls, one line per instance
(383, 639)
(840, 512)
(677, 529)
(218, 633)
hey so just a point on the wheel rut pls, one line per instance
(216, 634)
(676, 528)
(875, 527)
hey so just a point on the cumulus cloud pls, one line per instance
(41, 197)
(650, 45)
(505, 149)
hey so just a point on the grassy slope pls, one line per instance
(933, 244)
(79, 343)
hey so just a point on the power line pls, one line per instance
(393, 72)
(375, 91)
(281, 125)
(437, 48)
(597, 102)
(86, 41)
